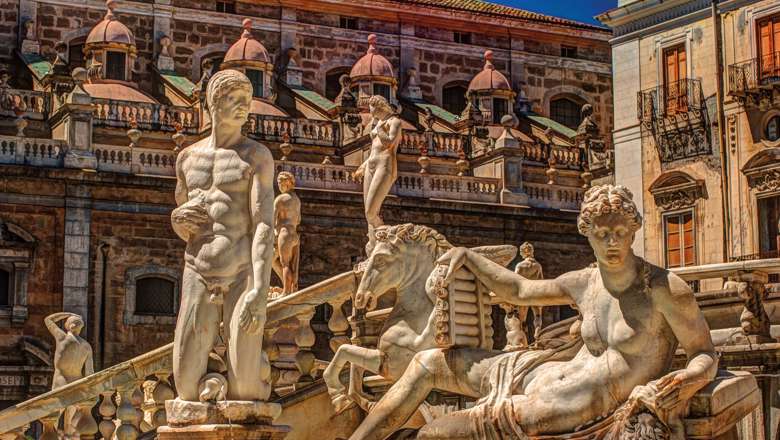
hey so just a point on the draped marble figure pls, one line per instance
(224, 193)
(634, 316)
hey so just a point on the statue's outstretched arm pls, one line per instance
(506, 284)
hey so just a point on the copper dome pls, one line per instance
(247, 48)
(372, 63)
(489, 78)
(110, 30)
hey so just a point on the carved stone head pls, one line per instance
(286, 181)
(379, 107)
(74, 324)
(229, 95)
(609, 218)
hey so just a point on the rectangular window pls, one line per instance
(256, 78)
(769, 48)
(348, 22)
(5, 287)
(568, 51)
(115, 65)
(226, 6)
(462, 37)
(768, 216)
(680, 240)
(675, 74)
(382, 90)
(500, 108)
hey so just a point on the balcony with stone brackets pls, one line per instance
(675, 116)
(755, 83)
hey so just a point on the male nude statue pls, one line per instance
(72, 355)
(225, 214)
(531, 269)
(287, 217)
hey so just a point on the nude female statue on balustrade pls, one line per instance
(634, 316)
(380, 170)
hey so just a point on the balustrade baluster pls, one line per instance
(84, 422)
(162, 391)
(338, 325)
(107, 410)
(50, 427)
(127, 414)
(304, 339)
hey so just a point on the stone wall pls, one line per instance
(9, 13)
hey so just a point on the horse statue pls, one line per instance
(402, 260)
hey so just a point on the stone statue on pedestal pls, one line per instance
(287, 217)
(224, 193)
(634, 316)
(380, 170)
(531, 269)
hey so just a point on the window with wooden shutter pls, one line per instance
(769, 47)
(675, 74)
(680, 240)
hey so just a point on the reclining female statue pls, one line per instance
(634, 316)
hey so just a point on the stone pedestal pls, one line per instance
(228, 420)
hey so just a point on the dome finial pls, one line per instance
(247, 25)
(372, 43)
(489, 60)
(110, 5)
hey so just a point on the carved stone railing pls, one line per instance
(539, 154)
(542, 195)
(120, 159)
(31, 104)
(434, 143)
(156, 117)
(31, 151)
(297, 130)
(130, 396)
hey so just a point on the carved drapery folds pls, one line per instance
(17, 249)
(677, 190)
(763, 171)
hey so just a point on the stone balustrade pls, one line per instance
(31, 104)
(156, 117)
(542, 195)
(120, 159)
(31, 151)
(296, 130)
(434, 143)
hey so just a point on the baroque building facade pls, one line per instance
(696, 140)
(97, 99)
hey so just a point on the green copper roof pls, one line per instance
(38, 65)
(314, 98)
(547, 122)
(180, 83)
(439, 112)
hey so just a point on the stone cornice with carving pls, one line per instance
(677, 191)
(768, 181)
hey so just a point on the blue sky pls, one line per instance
(573, 9)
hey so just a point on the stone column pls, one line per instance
(78, 215)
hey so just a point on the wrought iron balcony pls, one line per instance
(675, 114)
(752, 81)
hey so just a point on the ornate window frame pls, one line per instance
(662, 43)
(752, 15)
(17, 254)
(135, 273)
(676, 190)
(763, 171)
(769, 114)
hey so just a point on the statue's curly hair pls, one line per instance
(608, 199)
(380, 101)
(224, 82)
(408, 233)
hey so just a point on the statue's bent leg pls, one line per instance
(381, 182)
(286, 242)
(365, 357)
(196, 330)
(446, 370)
(248, 366)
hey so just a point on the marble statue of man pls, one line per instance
(287, 217)
(224, 192)
(72, 353)
(531, 269)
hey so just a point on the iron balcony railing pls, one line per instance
(755, 74)
(671, 99)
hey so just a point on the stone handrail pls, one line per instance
(434, 143)
(31, 151)
(126, 377)
(158, 117)
(31, 103)
(721, 270)
(542, 195)
(297, 130)
(121, 159)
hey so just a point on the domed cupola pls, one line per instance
(110, 48)
(492, 91)
(250, 56)
(373, 75)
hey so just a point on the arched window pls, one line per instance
(565, 111)
(332, 85)
(151, 295)
(154, 296)
(5, 287)
(453, 97)
(256, 78)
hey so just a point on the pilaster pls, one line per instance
(78, 218)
